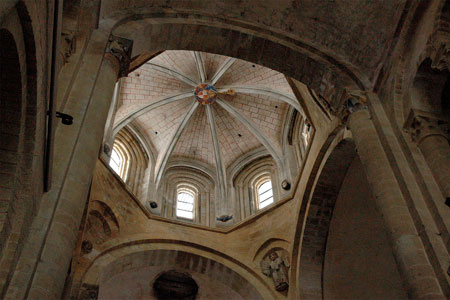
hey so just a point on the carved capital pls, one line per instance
(352, 101)
(107, 149)
(89, 292)
(421, 124)
(440, 51)
(120, 48)
(86, 246)
(67, 46)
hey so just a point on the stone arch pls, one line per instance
(272, 243)
(20, 148)
(327, 148)
(319, 71)
(427, 89)
(422, 39)
(102, 223)
(184, 261)
(245, 183)
(199, 181)
(176, 255)
(98, 228)
(11, 116)
(137, 162)
(318, 249)
(319, 214)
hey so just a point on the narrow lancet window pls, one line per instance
(185, 204)
(265, 194)
(116, 161)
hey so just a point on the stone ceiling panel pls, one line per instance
(234, 138)
(144, 86)
(252, 115)
(182, 61)
(245, 73)
(356, 32)
(266, 112)
(195, 142)
(161, 123)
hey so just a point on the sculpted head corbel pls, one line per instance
(352, 101)
(120, 49)
(439, 50)
(421, 124)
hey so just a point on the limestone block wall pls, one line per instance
(328, 48)
(132, 276)
(358, 262)
(24, 86)
(238, 248)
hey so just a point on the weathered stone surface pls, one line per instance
(396, 51)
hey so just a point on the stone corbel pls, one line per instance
(351, 101)
(421, 124)
(67, 47)
(440, 51)
(121, 49)
(89, 292)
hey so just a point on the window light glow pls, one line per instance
(185, 205)
(116, 161)
(265, 194)
(306, 134)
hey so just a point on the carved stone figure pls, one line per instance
(86, 246)
(68, 46)
(121, 48)
(89, 292)
(276, 266)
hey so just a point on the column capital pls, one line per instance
(120, 49)
(440, 51)
(352, 101)
(89, 292)
(67, 46)
(421, 124)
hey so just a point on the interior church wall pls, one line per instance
(332, 47)
(239, 248)
(204, 194)
(358, 260)
(138, 284)
(24, 85)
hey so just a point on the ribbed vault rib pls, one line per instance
(254, 130)
(140, 111)
(174, 140)
(174, 74)
(221, 172)
(223, 68)
(247, 89)
(200, 66)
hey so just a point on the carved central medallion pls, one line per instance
(205, 93)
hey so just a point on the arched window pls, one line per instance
(185, 204)
(265, 194)
(119, 161)
(116, 161)
(306, 134)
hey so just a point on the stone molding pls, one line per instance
(421, 124)
(89, 292)
(68, 46)
(86, 246)
(121, 49)
(439, 50)
(352, 101)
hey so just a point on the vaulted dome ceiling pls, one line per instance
(205, 108)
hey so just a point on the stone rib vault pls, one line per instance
(246, 111)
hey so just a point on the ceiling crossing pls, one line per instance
(206, 86)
